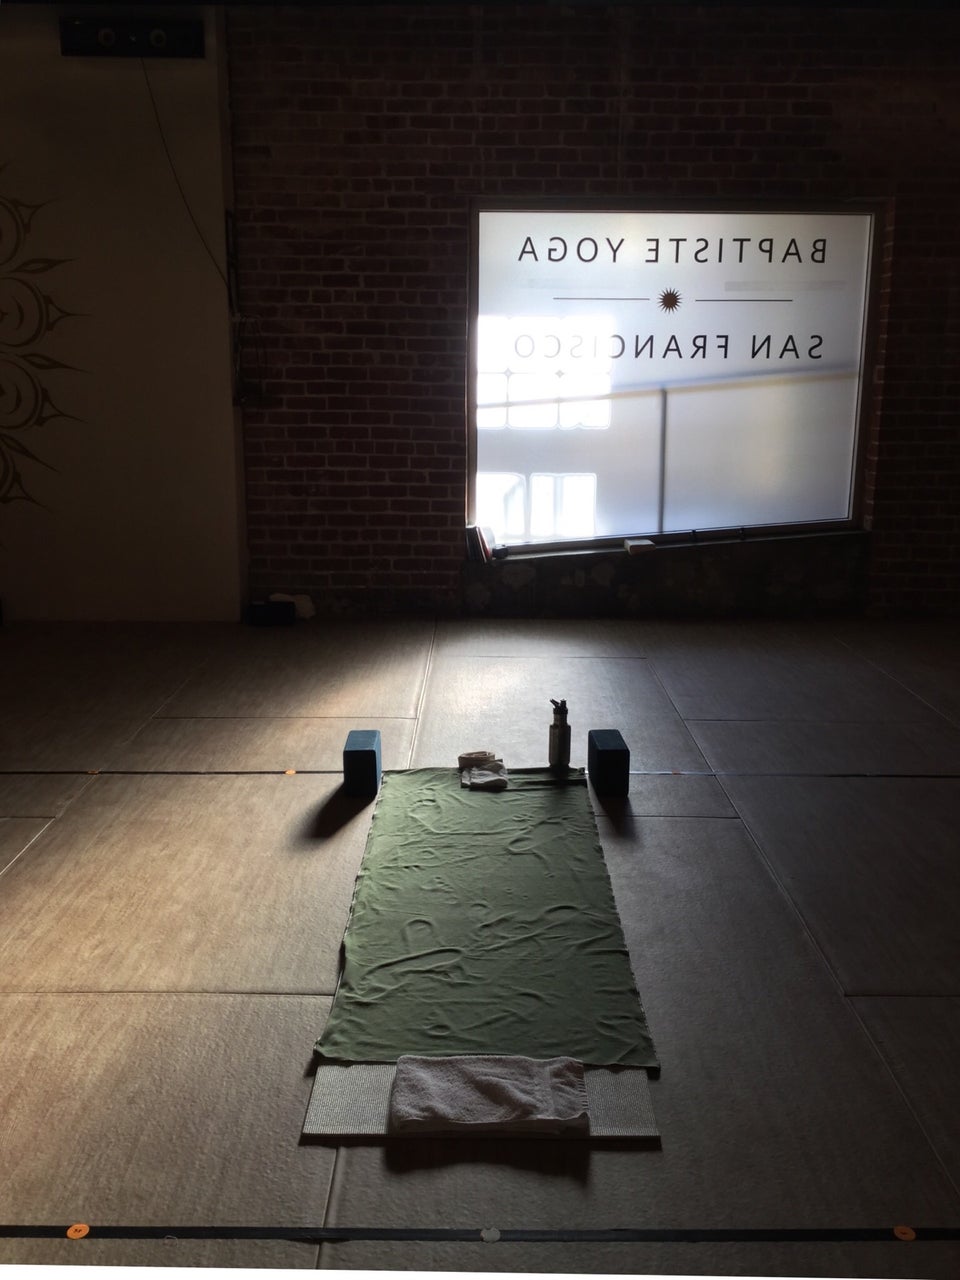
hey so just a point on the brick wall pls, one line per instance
(362, 132)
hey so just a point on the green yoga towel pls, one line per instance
(484, 922)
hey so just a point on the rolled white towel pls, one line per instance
(488, 1093)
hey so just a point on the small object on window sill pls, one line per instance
(634, 546)
(478, 548)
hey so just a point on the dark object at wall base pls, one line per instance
(271, 613)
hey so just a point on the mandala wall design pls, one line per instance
(28, 315)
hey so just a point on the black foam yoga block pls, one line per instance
(608, 762)
(361, 762)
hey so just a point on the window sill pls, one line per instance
(790, 574)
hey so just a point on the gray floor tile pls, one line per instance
(894, 1261)
(920, 1039)
(923, 656)
(51, 742)
(118, 670)
(730, 979)
(356, 669)
(178, 883)
(543, 637)
(504, 705)
(773, 1107)
(182, 1109)
(171, 744)
(39, 795)
(751, 746)
(666, 795)
(15, 835)
(275, 1254)
(747, 672)
(871, 864)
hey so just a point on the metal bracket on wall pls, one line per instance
(111, 37)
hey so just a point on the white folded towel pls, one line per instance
(492, 777)
(476, 759)
(488, 1093)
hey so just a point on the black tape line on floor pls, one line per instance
(642, 1235)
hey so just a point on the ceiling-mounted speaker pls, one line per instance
(110, 37)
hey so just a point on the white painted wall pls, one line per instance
(141, 518)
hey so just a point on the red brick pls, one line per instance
(361, 136)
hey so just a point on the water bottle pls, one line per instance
(559, 754)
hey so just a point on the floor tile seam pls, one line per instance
(792, 905)
(343, 716)
(422, 695)
(668, 773)
(32, 841)
(623, 829)
(277, 772)
(35, 992)
(675, 1234)
(63, 804)
(487, 655)
(677, 713)
(200, 665)
(952, 1180)
(902, 995)
(827, 773)
(867, 723)
(335, 1191)
(898, 680)
(478, 1234)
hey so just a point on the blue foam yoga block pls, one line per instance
(361, 762)
(608, 762)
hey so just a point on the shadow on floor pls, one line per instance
(334, 814)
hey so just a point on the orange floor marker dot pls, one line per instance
(78, 1231)
(289, 771)
(904, 1233)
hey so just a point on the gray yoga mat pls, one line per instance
(353, 1100)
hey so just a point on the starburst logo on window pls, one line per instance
(669, 300)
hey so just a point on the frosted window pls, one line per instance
(501, 502)
(532, 401)
(586, 401)
(491, 401)
(773, 453)
(563, 506)
(646, 371)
